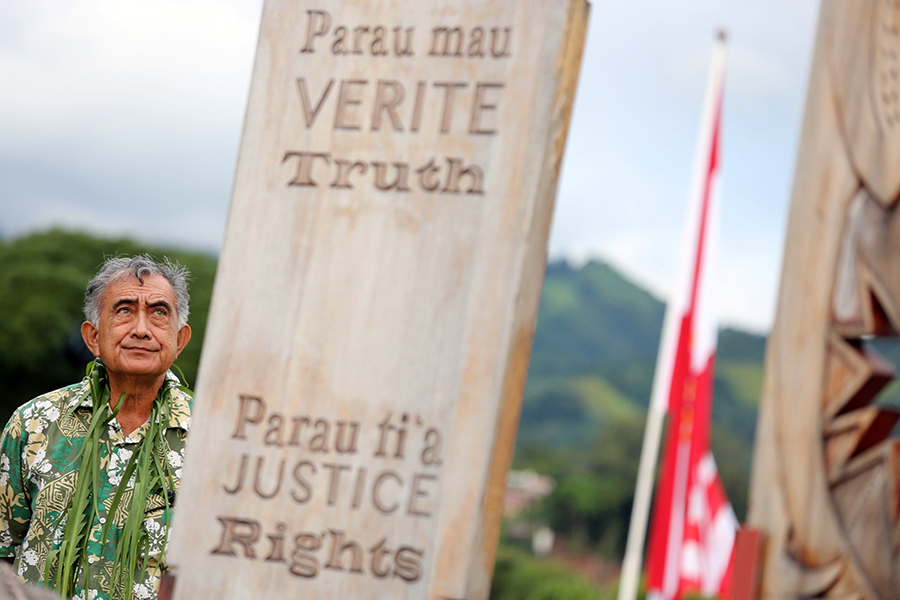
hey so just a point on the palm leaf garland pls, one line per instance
(152, 473)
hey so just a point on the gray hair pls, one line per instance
(140, 266)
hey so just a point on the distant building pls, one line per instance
(525, 489)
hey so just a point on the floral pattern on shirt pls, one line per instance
(38, 449)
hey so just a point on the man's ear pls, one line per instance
(90, 334)
(184, 336)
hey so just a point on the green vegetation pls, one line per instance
(517, 576)
(584, 409)
(585, 401)
(42, 282)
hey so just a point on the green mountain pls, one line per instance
(588, 387)
(42, 282)
(591, 375)
(595, 349)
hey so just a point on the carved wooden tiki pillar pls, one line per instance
(826, 476)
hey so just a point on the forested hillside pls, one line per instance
(588, 387)
(42, 282)
(585, 401)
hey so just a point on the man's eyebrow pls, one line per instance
(160, 303)
(131, 301)
(123, 302)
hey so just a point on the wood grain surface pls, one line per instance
(375, 300)
(824, 487)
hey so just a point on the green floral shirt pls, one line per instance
(37, 479)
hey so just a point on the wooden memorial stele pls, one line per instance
(375, 299)
(826, 479)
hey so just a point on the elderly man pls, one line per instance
(88, 473)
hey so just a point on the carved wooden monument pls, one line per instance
(375, 300)
(826, 481)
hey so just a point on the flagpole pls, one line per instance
(640, 511)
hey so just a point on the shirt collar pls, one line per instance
(179, 416)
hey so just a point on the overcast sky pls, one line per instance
(123, 117)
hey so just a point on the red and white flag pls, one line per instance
(693, 526)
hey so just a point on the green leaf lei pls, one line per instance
(151, 471)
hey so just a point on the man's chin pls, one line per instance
(141, 365)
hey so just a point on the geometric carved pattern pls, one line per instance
(854, 377)
(887, 63)
(848, 438)
(826, 485)
(859, 457)
(866, 85)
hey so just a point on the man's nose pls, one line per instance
(141, 325)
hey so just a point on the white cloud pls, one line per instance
(126, 112)
(130, 110)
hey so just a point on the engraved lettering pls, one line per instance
(359, 488)
(476, 45)
(415, 507)
(389, 94)
(449, 42)
(379, 45)
(319, 442)
(339, 548)
(401, 436)
(244, 532)
(500, 49)
(384, 427)
(345, 117)
(306, 487)
(344, 170)
(428, 176)
(275, 433)
(342, 445)
(305, 162)
(260, 461)
(408, 564)
(242, 472)
(378, 552)
(344, 553)
(335, 482)
(377, 500)
(357, 38)
(460, 178)
(303, 562)
(455, 174)
(252, 410)
(431, 453)
(311, 112)
(340, 39)
(403, 48)
(276, 554)
(400, 182)
(452, 41)
(319, 24)
(298, 422)
(480, 105)
(450, 88)
(375, 39)
(421, 86)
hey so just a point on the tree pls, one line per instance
(592, 501)
(42, 281)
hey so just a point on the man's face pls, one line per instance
(137, 333)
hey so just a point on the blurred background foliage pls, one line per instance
(582, 417)
(42, 282)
